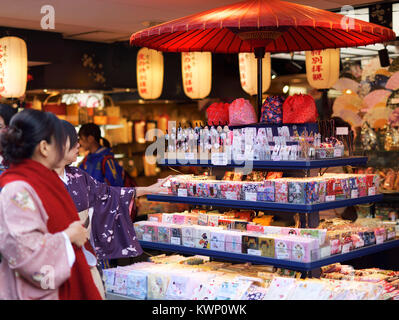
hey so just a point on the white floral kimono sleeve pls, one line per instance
(34, 261)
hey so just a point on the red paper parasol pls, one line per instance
(261, 26)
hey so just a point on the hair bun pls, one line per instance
(12, 144)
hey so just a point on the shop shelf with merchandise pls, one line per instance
(278, 263)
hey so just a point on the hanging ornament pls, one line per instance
(322, 68)
(150, 69)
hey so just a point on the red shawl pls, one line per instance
(62, 212)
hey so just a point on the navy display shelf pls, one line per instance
(270, 164)
(259, 205)
(279, 263)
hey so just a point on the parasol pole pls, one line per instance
(259, 55)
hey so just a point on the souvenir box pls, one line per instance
(281, 191)
(266, 192)
(176, 234)
(109, 279)
(296, 192)
(283, 247)
(240, 225)
(188, 236)
(137, 284)
(267, 247)
(312, 192)
(203, 219)
(322, 186)
(157, 217)
(213, 220)
(120, 286)
(362, 186)
(192, 188)
(233, 242)
(164, 234)
(218, 239)
(191, 219)
(249, 191)
(250, 244)
(202, 237)
(150, 233)
(231, 190)
(304, 249)
(167, 218)
(354, 190)
(179, 218)
(251, 227)
(139, 229)
(227, 224)
(330, 189)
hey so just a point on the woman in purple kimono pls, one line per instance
(105, 209)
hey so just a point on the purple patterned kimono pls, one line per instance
(112, 234)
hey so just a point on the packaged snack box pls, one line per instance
(266, 192)
(233, 241)
(164, 234)
(250, 244)
(267, 247)
(281, 191)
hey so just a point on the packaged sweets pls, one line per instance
(157, 217)
(249, 191)
(255, 228)
(304, 249)
(231, 191)
(267, 247)
(203, 219)
(218, 240)
(202, 237)
(191, 219)
(163, 234)
(240, 225)
(188, 236)
(139, 229)
(265, 191)
(283, 247)
(296, 192)
(281, 191)
(227, 224)
(150, 233)
(233, 241)
(250, 244)
(178, 218)
(213, 220)
(176, 234)
(362, 186)
(312, 192)
(167, 218)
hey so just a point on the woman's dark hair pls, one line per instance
(26, 129)
(6, 112)
(70, 132)
(91, 129)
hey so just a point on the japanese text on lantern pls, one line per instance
(189, 65)
(143, 66)
(243, 70)
(317, 65)
(3, 61)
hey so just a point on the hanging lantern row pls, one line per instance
(322, 71)
(13, 67)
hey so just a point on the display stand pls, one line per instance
(309, 216)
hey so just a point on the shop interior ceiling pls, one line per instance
(112, 21)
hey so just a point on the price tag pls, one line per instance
(342, 131)
(254, 252)
(230, 195)
(325, 251)
(147, 237)
(337, 152)
(354, 194)
(330, 198)
(359, 244)
(219, 159)
(250, 196)
(372, 191)
(182, 192)
(188, 243)
(175, 240)
(153, 219)
(189, 156)
(346, 247)
(379, 239)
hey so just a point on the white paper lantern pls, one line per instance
(196, 68)
(248, 66)
(13, 67)
(150, 71)
(322, 68)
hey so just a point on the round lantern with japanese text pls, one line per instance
(322, 68)
(248, 72)
(196, 68)
(150, 69)
(13, 67)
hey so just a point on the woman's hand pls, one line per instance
(152, 189)
(76, 233)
